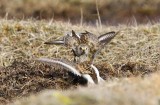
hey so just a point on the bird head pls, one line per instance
(80, 50)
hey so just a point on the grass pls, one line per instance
(24, 40)
(128, 91)
(132, 54)
(111, 11)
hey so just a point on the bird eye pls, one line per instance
(80, 48)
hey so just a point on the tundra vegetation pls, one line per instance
(129, 64)
(126, 63)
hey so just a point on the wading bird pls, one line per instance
(77, 43)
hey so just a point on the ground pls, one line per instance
(126, 91)
(133, 54)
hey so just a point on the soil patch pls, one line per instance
(28, 77)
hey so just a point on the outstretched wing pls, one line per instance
(63, 63)
(56, 42)
(103, 40)
(59, 41)
(107, 37)
(66, 40)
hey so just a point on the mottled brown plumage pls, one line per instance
(81, 53)
(85, 46)
(95, 43)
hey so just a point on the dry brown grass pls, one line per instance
(24, 40)
(128, 91)
(135, 51)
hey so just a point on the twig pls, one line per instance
(98, 14)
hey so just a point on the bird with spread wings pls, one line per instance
(88, 41)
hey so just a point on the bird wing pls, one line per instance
(56, 42)
(107, 37)
(103, 40)
(64, 63)
(75, 35)
(65, 40)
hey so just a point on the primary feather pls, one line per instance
(105, 38)
(56, 42)
(66, 64)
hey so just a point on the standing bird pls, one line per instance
(85, 70)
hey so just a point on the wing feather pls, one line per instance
(107, 37)
(66, 64)
(56, 42)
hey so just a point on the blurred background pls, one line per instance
(80, 11)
